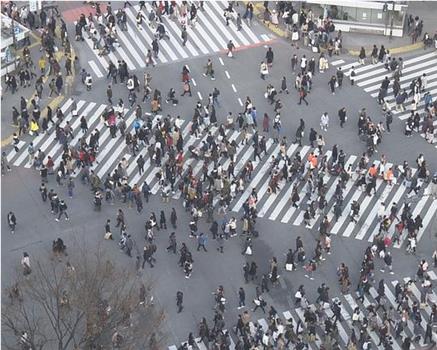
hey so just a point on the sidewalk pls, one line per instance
(352, 42)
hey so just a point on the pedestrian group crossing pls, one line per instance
(348, 305)
(273, 206)
(209, 35)
(370, 76)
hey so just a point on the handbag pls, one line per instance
(230, 54)
(108, 235)
(289, 267)
(295, 36)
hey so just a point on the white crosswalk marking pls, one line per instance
(370, 77)
(348, 304)
(95, 69)
(270, 205)
(209, 35)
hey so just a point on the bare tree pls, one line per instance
(87, 303)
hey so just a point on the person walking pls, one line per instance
(201, 241)
(25, 263)
(184, 35)
(179, 301)
(388, 120)
(242, 298)
(263, 70)
(332, 84)
(302, 96)
(109, 94)
(12, 221)
(324, 121)
(342, 116)
(62, 210)
(173, 218)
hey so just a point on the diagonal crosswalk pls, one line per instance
(369, 77)
(349, 303)
(209, 35)
(272, 206)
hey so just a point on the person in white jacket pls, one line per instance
(324, 121)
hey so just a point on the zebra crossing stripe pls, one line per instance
(212, 30)
(403, 78)
(386, 72)
(222, 27)
(143, 33)
(337, 62)
(240, 36)
(96, 115)
(105, 149)
(95, 69)
(74, 127)
(173, 40)
(101, 59)
(284, 200)
(274, 196)
(391, 97)
(52, 136)
(430, 213)
(126, 41)
(265, 186)
(365, 203)
(12, 153)
(351, 160)
(254, 182)
(399, 193)
(176, 30)
(36, 141)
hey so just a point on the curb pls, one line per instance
(258, 10)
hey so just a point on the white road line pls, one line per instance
(74, 127)
(221, 61)
(143, 32)
(403, 78)
(234, 88)
(36, 141)
(20, 146)
(101, 59)
(96, 115)
(196, 41)
(265, 37)
(374, 212)
(240, 102)
(176, 37)
(337, 62)
(220, 23)
(199, 94)
(427, 219)
(385, 72)
(273, 196)
(227, 74)
(211, 29)
(348, 231)
(401, 190)
(52, 136)
(131, 49)
(95, 69)
(173, 41)
(231, 24)
(205, 36)
(284, 200)
(390, 96)
(261, 173)
(136, 39)
(193, 81)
